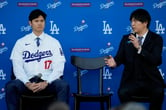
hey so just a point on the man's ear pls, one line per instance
(146, 23)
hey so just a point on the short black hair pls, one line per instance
(141, 15)
(36, 13)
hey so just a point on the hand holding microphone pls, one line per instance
(134, 40)
(37, 84)
(36, 79)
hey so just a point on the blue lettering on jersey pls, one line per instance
(28, 56)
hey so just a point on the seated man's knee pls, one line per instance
(61, 84)
(9, 86)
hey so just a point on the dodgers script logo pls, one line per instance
(2, 93)
(106, 5)
(3, 3)
(28, 56)
(53, 5)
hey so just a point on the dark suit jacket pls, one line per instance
(143, 66)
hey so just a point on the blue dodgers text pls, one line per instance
(28, 56)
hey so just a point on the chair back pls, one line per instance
(89, 64)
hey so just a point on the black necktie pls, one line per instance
(38, 41)
(140, 40)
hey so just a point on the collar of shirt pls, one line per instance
(42, 36)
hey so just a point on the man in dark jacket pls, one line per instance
(141, 60)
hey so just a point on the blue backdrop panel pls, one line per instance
(85, 28)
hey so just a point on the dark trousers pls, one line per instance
(156, 94)
(15, 88)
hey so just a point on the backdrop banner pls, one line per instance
(87, 28)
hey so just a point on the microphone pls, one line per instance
(133, 33)
(36, 78)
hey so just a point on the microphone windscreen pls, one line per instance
(39, 75)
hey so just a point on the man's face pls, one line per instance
(37, 24)
(138, 26)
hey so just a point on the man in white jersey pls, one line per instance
(38, 63)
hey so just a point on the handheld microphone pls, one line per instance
(36, 78)
(133, 33)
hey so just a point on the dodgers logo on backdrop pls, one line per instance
(107, 50)
(3, 3)
(83, 72)
(2, 75)
(106, 28)
(106, 5)
(129, 29)
(106, 73)
(3, 48)
(2, 29)
(54, 29)
(159, 5)
(162, 74)
(25, 28)
(54, 5)
(2, 93)
(81, 27)
(159, 28)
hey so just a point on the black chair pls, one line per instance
(82, 63)
(34, 101)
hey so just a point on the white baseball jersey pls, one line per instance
(29, 59)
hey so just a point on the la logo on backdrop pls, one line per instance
(159, 28)
(2, 29)
(2, 75)
(54, 28)
(106, 28)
